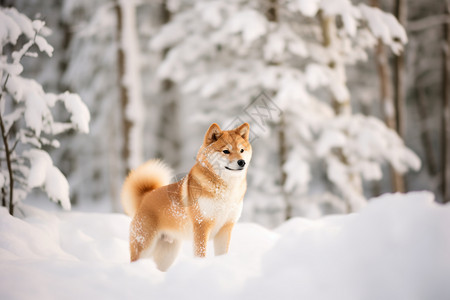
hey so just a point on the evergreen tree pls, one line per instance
(224, 53)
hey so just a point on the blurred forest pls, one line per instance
(344, 101)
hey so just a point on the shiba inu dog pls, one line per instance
(204, 205)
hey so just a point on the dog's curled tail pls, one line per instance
(145, 178)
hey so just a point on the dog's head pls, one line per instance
(227, 152)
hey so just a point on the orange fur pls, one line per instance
(148, 177)
(204, 205)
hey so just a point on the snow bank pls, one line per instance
(396, 248)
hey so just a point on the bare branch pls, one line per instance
(427, 22)
(14, 146)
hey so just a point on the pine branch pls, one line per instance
(8, 151)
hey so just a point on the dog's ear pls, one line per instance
(213, 134)
(243, 130)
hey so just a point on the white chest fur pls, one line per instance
(225, 207)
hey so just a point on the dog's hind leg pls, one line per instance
(165, 252)
(143, 237)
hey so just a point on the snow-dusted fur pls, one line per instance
(146, 178)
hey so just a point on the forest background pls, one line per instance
(345, 101)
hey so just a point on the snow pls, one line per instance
(298, 173)
(395, 248)
(222, 54)
(275, 47)
(9, 30)
(307, 7)
(13, 69)
(28, 105)
(44, 174)
(344, 8)
(80, 115)
(250, 23)
(367, 139)
(385, 26)
(211, 14)
(316, 76)
(21, 23)
(43, 45)
(36, 112)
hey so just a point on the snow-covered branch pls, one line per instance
(26, 110)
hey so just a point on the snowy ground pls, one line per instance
(398, 247)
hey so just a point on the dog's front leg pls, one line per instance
(201, 236)
(222, 239)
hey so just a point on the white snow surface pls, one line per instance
(396, 248)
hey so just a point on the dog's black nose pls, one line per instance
(241, 163)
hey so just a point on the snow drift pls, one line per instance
(398, 247)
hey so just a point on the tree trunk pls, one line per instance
(272, 10)
(272, 16)
(425, 132)
(3, 197)
(445, 143)
(384, 74)
(63, 63)
(328, 25)
(129, 84)
(399, 73)
(375, 186)
(387, 103)
(282, 150)
(340, 106)
(168, 127)
(124, 100)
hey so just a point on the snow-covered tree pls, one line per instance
(223, 54)
(106, 68)
(46, 70)
(28, 127)
(92, 71)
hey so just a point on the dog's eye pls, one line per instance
(242, 150)
(226, 151)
